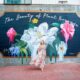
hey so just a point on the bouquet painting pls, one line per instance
(32, 36)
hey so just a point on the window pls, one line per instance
(17, 1)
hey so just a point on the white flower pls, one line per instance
(34, 36)
(42, 28)
(61, 48)
(52, 31)
(40, 33)
(25, 37)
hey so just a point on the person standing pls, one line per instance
(41, 55)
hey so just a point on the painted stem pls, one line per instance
(22, 58)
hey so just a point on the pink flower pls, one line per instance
(11, 33)
(67, 30)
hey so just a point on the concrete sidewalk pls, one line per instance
(17, 61)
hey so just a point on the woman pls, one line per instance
(40, 59)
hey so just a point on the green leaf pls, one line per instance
(26, 55)
(31, 25)
(57, 41)
(23, 50)
(55, 24)
(20, 43)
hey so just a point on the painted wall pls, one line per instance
(42, 7)
(21, 21)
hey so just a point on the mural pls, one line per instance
(22, 32)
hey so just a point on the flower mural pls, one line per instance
(19, 48)
(11, 33)
(15, 50)
(67, 30)
(61, 50)
(35, 20)
(35, 34)
(34, 37)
